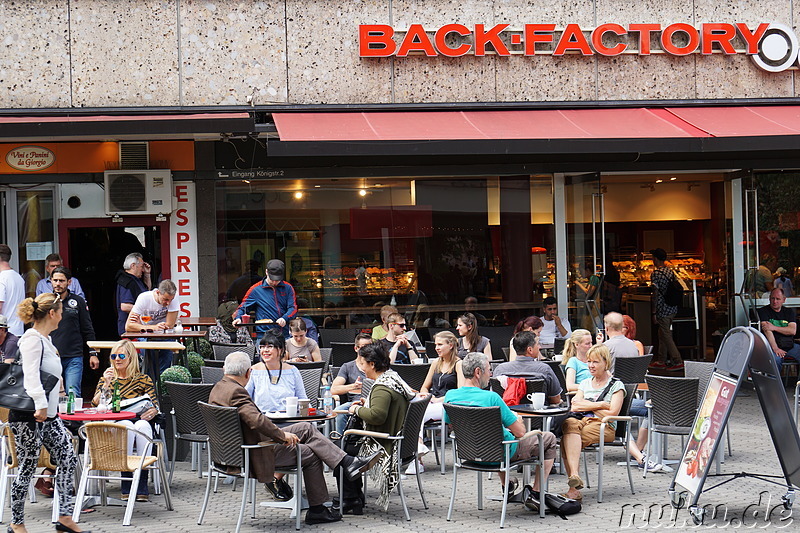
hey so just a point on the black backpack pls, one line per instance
(673, 296)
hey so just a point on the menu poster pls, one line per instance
(708, 425)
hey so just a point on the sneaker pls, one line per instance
(410, 470)
(658, 364)
(652, 466)
(513, 485)
(124, 497)
(532, 501)
(142, 498)
(422, 449)
(676, 366)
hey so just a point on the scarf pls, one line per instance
(392, 380)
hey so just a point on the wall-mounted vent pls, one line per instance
(134, 155)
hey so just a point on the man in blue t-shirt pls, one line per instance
(477, 372)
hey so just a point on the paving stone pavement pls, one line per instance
(742, 503)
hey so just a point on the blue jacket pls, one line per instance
(269, 302)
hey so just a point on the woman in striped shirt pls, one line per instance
(133, 383)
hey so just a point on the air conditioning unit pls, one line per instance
(138, 192)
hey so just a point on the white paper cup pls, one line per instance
(78, 404)
(537, 400)
(291, 405)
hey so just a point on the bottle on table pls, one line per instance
(327, 400)
(115, 399)
(71, 402)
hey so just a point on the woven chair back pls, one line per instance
(412, 426)
(632, 369)
(221, 351)
(211, 374)
(311, 373)
(108, 446)
(341, 352)
(703, 372)
(478, 431)
(184, 398)
(674, 400)
(224, 434)
(413, 375)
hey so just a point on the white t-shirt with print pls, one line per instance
(146, 304)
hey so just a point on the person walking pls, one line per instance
(42, 427)
(668, 355)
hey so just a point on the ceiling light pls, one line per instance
(362, 192)
(673, 178)
(298, 195)
(659, 181)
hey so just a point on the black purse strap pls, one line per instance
(602, 395)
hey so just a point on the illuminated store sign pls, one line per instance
(772, 46)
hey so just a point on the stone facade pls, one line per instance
(117, 53)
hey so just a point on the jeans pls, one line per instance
(73, 374)
(341, 420)
(792, 354)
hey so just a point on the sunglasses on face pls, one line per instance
(404, 326)
(122, 356)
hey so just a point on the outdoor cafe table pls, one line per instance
(527, 412)
(157, 334)
(198, 321)
(91, 415)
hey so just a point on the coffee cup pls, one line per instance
(291, 405)
(302, 407)
(245, 319)
(536, 399)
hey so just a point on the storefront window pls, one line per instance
(778, 233)
(36, 235)
(427, 245)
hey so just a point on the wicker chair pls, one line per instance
(106, 451)
(211, 374)
(327, 336)
(187, 423)
(622, 437)
(312, 378)
(558, 370)
(221, 351)
(404, 449)
(499, 337)
(531, 385)
(227, 452)
(213, 363)
(632, 369)
(673, 406)
(485, 450)
(413, 375)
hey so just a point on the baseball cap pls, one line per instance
(3, 321)
(275, 269)
(659, 254)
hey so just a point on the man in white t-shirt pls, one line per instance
(12, 292)
(555, 327)
(155, 310)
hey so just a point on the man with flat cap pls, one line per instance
(272, 299)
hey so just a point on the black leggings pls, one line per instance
(29, 437)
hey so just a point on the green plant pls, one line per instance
(176, 373)
(205, 349)
(194, 361)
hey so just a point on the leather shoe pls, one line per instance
(323, 517)
(280, 489)
(359, 465)
(354, 508)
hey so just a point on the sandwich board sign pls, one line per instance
(744, 351)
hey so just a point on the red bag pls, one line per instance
(515, 391)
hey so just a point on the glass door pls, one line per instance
(586, 249)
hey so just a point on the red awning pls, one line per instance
(622, 123)
(121, 118)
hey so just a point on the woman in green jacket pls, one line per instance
(384, 412)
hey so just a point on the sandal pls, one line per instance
(567, 496)
(575, 482)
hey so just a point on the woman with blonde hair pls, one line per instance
(443, 375)
(42, 427)
(575, 362)
(124, 373)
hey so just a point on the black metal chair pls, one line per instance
(430, 350)
(328, 336)
(500, 337)
(414, 375)
(486, 450)
(622, 437)
(187, 424)
(632, 369)
(672, 407)
(227, 452)
(558, 370)
(404, 449)
(211, 374)
(341, 352)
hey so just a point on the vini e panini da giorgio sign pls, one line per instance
(772, 46)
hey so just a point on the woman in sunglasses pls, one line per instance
(124, 372)
(271, 382)
(42, 427)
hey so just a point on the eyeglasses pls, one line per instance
(58, 297)
(266, 346)
(122, 356)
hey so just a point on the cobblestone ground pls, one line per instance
(742, 503)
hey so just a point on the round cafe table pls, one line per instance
(83, 416)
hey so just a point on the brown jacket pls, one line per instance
(255, 426)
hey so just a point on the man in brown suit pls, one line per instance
(256, 427)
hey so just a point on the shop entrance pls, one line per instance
(95, 249)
